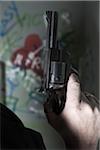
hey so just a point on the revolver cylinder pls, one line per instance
(57, 77)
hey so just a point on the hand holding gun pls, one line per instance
(73, 113)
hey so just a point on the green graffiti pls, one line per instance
(14, 37)
(11, 102)
(8, 43)
(30, 20)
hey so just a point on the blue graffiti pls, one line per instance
(36, 95)
(8, 16)
(13, 86)
(12, 102)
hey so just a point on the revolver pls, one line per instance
(56, 68)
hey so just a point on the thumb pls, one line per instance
(73, 90)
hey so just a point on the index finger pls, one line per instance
(73, 90)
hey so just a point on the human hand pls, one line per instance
(79, 122)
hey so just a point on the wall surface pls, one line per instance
(90, 61)
(22, 36)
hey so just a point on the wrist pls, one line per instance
(74, 144)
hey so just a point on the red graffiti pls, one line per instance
(28, 57)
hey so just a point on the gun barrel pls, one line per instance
(52, 19)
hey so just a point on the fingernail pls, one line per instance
(75, 77)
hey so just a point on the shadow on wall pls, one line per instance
(2, 83)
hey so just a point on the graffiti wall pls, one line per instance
(22, 49)
(21, 45)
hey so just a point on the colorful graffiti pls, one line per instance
(27, 81)
(25, 70)
(12, 84)
(12, 102)
(8, 43)
(9, 19)
(14, 37)
(30, 20)
(28, 57)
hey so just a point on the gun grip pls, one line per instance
(56, 101)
